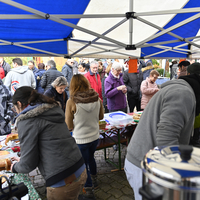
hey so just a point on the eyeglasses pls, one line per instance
(155, 77)
(118, 70)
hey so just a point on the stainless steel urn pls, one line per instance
(171, 173)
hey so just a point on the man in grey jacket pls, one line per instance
(67, 71)
(168, 119)
(19, 76)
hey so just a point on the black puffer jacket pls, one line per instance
(133, 82)
(48, 77)
(46, 143)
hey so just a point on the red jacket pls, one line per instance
(96, 85)
(2, 73)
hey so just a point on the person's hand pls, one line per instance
(11, 167)
(121, 87)
(124, 90)
(15, 159)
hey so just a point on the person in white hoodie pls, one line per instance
(84, 109)
(19, 76)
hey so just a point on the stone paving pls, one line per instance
(113, 184)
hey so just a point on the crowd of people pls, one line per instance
(57, 116)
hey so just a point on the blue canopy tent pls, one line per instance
(100, 29)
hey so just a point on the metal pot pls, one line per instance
(171, 173)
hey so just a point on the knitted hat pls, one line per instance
(194, 68)
(61, 80)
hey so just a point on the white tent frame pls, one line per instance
(117, 45)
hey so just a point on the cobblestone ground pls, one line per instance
(113, 184)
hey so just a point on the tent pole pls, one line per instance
(27, 47)
(164, 12)
(98, 43)
(161, 29)
(130, 23)
(159, 43)
(109, 30)
(16, 16)
(60, 21)
(188, 20)
(148, 56)
(35, 42)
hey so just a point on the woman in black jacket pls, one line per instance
(58, 92)
(46, 143)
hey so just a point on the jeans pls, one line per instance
(134, 177)
(87, 151)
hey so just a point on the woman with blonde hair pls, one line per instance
(84, 109)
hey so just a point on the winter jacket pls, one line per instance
(83, 114)
(67, 71)
(116, 99)
(38, 76)
(2, 73)
(18, 77)
(6, 67)
(102, 73)
(46, 143)
(168, 119)
(146, 71)
(6, 113)
(148, 89)
(95, 84)
(62, 98)
(48, 77)
(103, 90)
(173, 71)
(133, 82)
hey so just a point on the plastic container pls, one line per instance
(118, 118)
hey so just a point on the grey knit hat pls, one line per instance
(61, 80)
(194, 68)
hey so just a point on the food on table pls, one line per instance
(136, 116)
(5, 164)
(3, 153)
(102, 122)
(12, 136)
(3, 180)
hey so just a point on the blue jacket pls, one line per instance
(115, 98)
(38, 76)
